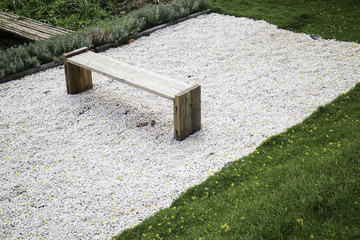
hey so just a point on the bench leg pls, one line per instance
(77, 79)
(187, 112)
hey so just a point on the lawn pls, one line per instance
(330, 19)
(301, 184)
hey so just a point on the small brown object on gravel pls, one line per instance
(130, 41)
(142, 124)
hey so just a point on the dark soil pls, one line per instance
(6, 43)
(8, 40)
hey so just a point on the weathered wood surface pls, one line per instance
(129, 74)
(78, 79)
(187, 112)
(186, 97)
(27, 28)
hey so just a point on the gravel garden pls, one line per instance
(83, 166)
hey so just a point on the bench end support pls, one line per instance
(78, 79)
(187, 112)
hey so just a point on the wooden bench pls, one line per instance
(186, 97)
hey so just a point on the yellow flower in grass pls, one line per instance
(225, 227)
(301, 221)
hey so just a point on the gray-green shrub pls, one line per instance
(30, 55)
(34, 54)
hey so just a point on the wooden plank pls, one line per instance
(15, 28)
(45, 27)
(28, 28)
(179, 113)
(25, 35)
(126, 73)
(23, 31)
(130, 80)
(75, 52)
(78, 79)
(133, 70)
(13, 17)
(187, 103)
(187, 112)
(196, 107)
(32, 24)
(187, 118)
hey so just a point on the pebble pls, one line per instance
(77, 167)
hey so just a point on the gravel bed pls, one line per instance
(77, 167)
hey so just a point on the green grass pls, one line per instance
(33, 54)
(72, 14)
(325, 18)
(301, 184)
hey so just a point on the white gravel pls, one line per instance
(77, 167)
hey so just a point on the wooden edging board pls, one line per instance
(100, 48)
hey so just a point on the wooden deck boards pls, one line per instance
(28, 28)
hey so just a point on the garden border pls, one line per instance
(101, 48)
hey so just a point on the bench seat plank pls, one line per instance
(80, 63)
(129, 74)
